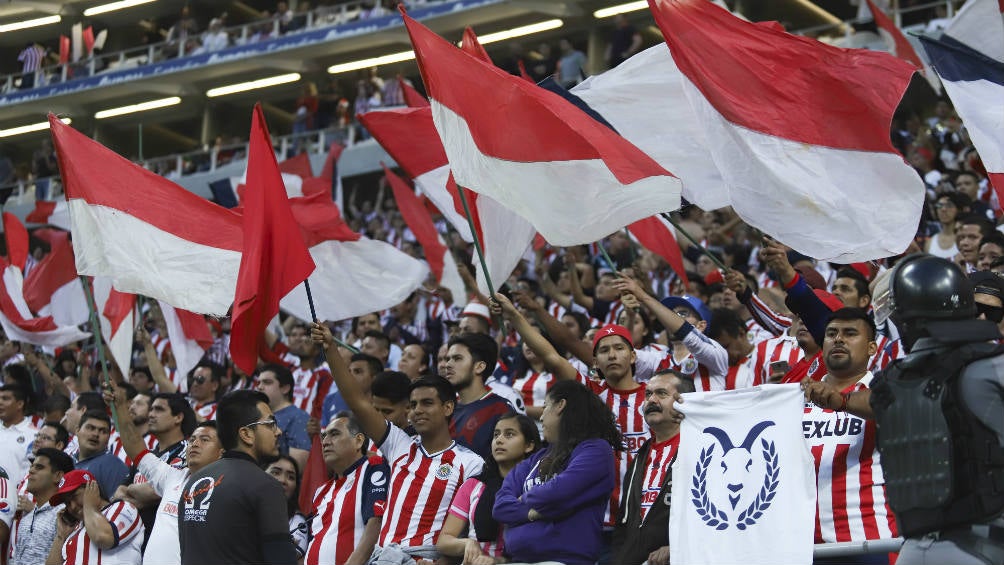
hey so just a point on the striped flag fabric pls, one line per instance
(50, 212)
(656, 234)
(171, 245)
(969, 58)
(17, 240)
(188, 335)
(17, 321)
(792, 133)
(437, 254)
(53, 288)
(900, 46)
(117, 316)
(541, 153)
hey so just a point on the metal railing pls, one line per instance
(846, 27)
(174, 48)
(204, 160)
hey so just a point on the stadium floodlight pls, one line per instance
(620, 9)
(40, 126)
(371, 62)
(520, 31)
(25, 24)
(111, 7)
(253, 85)
(140, 107)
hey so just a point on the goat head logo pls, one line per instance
(736, 468)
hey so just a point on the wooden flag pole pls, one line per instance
(704, 250)
(313, 314)
(98, 340)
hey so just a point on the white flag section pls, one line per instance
(187, 352)
(117, 316)
(18, 323)
(744, 481)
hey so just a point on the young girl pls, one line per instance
(515, 438)
(287, 472)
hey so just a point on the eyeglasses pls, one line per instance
(943, 205)
(270, 423)
(199, 380)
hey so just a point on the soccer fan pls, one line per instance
(642, 532)
(614, 360)
(164, 476)
(34, 529)
(311, 376)
(203, 389)
(109, 471)
(991, 248)
(377, 344)
(969, 231)
(364, 368)
(425, 471)
(139, 413)
(231, 511)
(390, 396)
(286, 470)
(414, 361)
(276, 382)
(514, 438)
(851, 504)
(347, 509)
(471, 357)
(552, 504)
(92, 530)
(16, 432)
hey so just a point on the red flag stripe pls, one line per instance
(420, 222)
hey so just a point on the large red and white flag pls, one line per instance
(969, 58)
(534, 151)
(17, 240)
(275, 259)
(409, 136)
(18, 322)
(149, 235)
(437, 254)
(53, 288)
(656, 234)
(117, 316)
(900, 46)
(355, 275)
(188, 335)
(792, 133)
(50, 212)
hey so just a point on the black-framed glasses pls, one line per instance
(270, 423)
(993, 313)
(199, 380)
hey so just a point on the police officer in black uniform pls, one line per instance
(940, 415)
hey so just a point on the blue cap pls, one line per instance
(692, 302)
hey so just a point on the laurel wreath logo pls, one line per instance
(718, 519)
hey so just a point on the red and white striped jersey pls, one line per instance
(422, 486)
(533, 387)
(8, 502)
(555, 310)
(342, 507)
(78, 549)
(850, 486)
(657, 464)
(740, 375)
(627, 406)
(179, 379)
(160, 344)
(888, 351)
(310, 386)
(616, 307)
(756, 333)
(784, 348)
(205, 411)
(464, 504)
(118, 450)
(438, 310)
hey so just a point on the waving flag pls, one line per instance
(53, 288)
(657, 235)
(171, 244)
(17, 240)
(18, 323)
(534, 151)
(409, 136)
(275, 259)
(792, 133)
(117, 316)
(355, 275)
(900, 46)
(188, 336)
(437, 254)
(411, 96)
(51, 213)
(969, 58)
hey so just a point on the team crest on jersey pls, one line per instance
(689, 366)
(814, 366)
(20, 439)
(444, 471)
(736, 475)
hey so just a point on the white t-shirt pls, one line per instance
(14, 442)
(164, 546)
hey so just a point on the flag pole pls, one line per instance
(480, 250)
(313, 315)
(704, 250)
(98, 340)
(606, 257)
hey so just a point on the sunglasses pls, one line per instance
(993, 313)
(200, 380)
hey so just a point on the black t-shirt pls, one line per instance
(229, 510)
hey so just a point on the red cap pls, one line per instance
(70, 482)
(609, 330)
(714, 277)
(862, 268)
(831, 301)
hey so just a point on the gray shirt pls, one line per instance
(33, 535)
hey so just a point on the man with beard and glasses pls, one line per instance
(642, 531)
